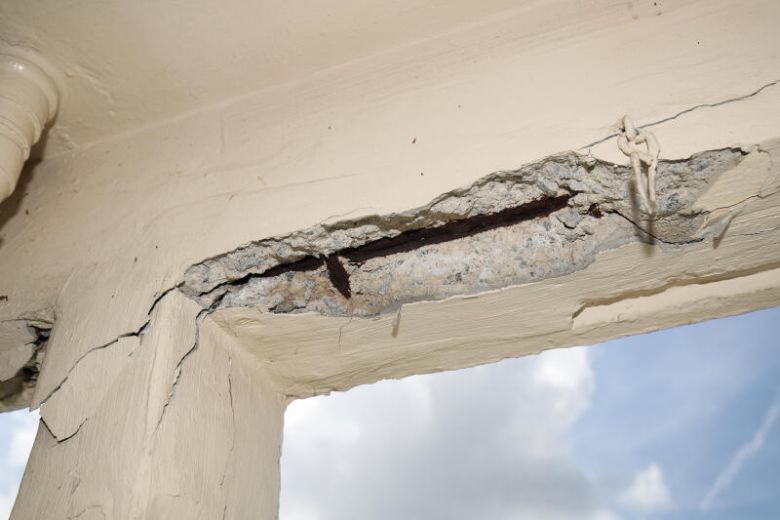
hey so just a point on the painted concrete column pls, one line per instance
(171, 423)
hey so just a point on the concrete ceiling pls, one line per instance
(125, 65)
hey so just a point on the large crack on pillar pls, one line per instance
(546, 219)
(178, 368)
(134, 333)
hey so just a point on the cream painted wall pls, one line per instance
(112, 225)
(146, 181)
(192, 54)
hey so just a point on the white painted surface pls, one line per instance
(150, 442)
(485, 97)
(174, 145)
(28, 101)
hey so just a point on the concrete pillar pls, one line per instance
(171, 423)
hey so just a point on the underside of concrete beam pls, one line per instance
(541, 221)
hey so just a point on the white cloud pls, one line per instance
(648, 492)
(564, 369)
(489, 442)
(22, 438)
(18, 429)
(605, 514)
(565, 379)
(6, 504)
(746, 452)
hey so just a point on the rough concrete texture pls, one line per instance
(546, 219)
(20, 366)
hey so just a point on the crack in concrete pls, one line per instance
(58, 440)
(86, 510)
(136, 333)
(649, 231)
(178, 368)
(688, 111)
(218, 299)
(757, 196)
(233, 423)
(682, 280)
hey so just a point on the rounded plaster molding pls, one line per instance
(28, 101)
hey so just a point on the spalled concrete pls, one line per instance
(543, 220)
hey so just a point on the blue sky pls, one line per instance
(17, 432)
(689, 399)
(683, 423)
(676, 424)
